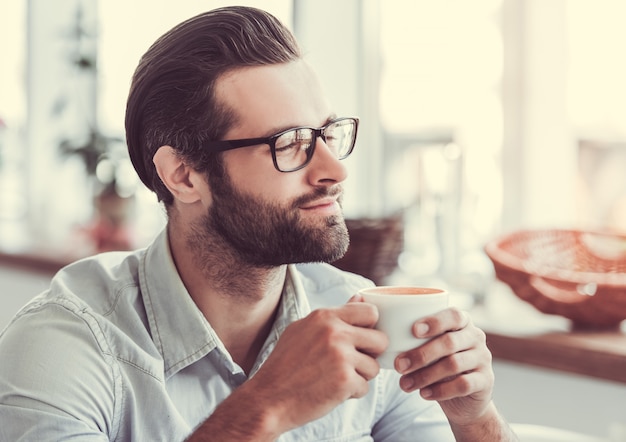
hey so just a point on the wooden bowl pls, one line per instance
(580, 275)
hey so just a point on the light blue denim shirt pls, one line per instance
(116, 350)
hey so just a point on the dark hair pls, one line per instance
(171, 100)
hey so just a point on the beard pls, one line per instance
(260, 233)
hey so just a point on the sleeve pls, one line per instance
(57, 383)
(407, 416)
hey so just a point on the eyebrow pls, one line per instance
(268, 134)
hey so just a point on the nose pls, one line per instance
(325, 168)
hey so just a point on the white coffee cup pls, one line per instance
(398, 309)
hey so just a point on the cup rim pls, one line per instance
(419, 291)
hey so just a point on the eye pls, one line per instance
(293, 147)
(293, 142)
(335, 131)
(332, 136)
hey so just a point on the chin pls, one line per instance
(335, 220)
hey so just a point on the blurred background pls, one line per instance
(477, 118)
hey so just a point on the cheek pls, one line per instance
(255, 175)
(278, 189)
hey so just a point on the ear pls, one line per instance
(181, 180)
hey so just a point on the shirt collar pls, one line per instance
(294, 305)
(179, 329)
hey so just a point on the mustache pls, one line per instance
(320, 192)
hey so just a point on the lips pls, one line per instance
(321, 203)
(321, 200)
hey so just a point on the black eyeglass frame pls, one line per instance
(223, 145)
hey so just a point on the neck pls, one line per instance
(238, 300)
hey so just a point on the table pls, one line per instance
(517, 332)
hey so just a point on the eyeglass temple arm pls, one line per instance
(220, 146)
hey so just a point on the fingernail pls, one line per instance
(421, 329)
(356, 298)
(403, 364)
(406, 383)
(426, 393)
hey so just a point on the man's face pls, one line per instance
(269, 217)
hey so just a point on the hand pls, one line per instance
(454, 368)
(319, 362)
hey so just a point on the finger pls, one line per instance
(360, 314)
(370, 341)
(351, 324)
(360, 387)
(447, 368)
(450, 319)
(355, 373)
(445, 345)
(366, 366)
(461, 386)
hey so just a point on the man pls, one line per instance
(213, 332)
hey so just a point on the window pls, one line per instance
(75, 77)
(13, 197)
(441, 113)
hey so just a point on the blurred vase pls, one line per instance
(111, 225)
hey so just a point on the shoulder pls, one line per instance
(93, 307)
(88, 291)
(102, 285)
(327, 285)
(74, 313)
(74, 346)
(99, 279)
(57, 365)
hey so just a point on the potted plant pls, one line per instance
(106, 163)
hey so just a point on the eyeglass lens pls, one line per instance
(293, 148)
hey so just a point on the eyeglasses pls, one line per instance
(292, 149)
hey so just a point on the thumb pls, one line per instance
(356, 298)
